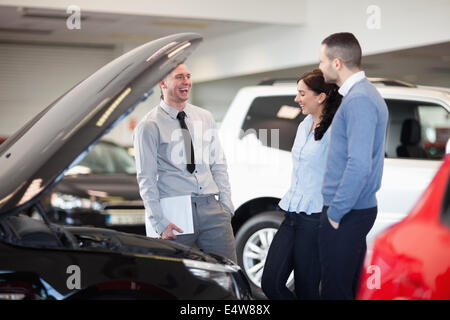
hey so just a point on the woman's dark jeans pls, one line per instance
(294, 247)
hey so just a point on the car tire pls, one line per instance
(257, 231)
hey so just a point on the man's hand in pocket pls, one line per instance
(334, 224)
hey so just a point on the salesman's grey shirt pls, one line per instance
(161, 160)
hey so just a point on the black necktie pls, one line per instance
(187, 141)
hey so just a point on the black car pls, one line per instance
(100, 191)
(40, 259)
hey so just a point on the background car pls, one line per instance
(411, 260)
(100, 191)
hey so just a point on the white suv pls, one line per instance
(257, 134)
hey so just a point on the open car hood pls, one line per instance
(34, 158)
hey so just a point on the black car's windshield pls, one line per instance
(106, 158)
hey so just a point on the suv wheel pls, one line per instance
(252, 245)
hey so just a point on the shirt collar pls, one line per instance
(348, 84)
(171, 111)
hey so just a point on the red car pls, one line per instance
(411, 260)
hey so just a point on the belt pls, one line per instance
(206, 198)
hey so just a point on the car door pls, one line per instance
(424, 127)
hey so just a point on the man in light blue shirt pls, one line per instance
(354, 167)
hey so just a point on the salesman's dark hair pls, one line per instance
(345, 46)
(314, 80)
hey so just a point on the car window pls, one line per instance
(445, 214)
(267, 115)
(435, 121)
(416, 130)
(109, 158)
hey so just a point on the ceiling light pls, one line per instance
(177, 50)
(44, 13)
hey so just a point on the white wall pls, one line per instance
(35, 75)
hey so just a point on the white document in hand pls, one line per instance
(178, 210)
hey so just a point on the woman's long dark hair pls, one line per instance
(315, 81)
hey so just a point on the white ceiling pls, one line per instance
(426, 64)
(48, 25)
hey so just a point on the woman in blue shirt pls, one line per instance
(295, 246)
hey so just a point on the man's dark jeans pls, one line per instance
(342, 252)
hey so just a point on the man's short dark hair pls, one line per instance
(345, 46)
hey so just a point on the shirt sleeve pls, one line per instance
(218, 167)
(361, 121)
(146, 141)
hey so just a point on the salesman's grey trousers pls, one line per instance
(212, 227)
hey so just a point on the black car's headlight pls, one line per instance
(218, 273)
(67, 202)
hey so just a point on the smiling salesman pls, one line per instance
(354, 167)
(169, 168)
